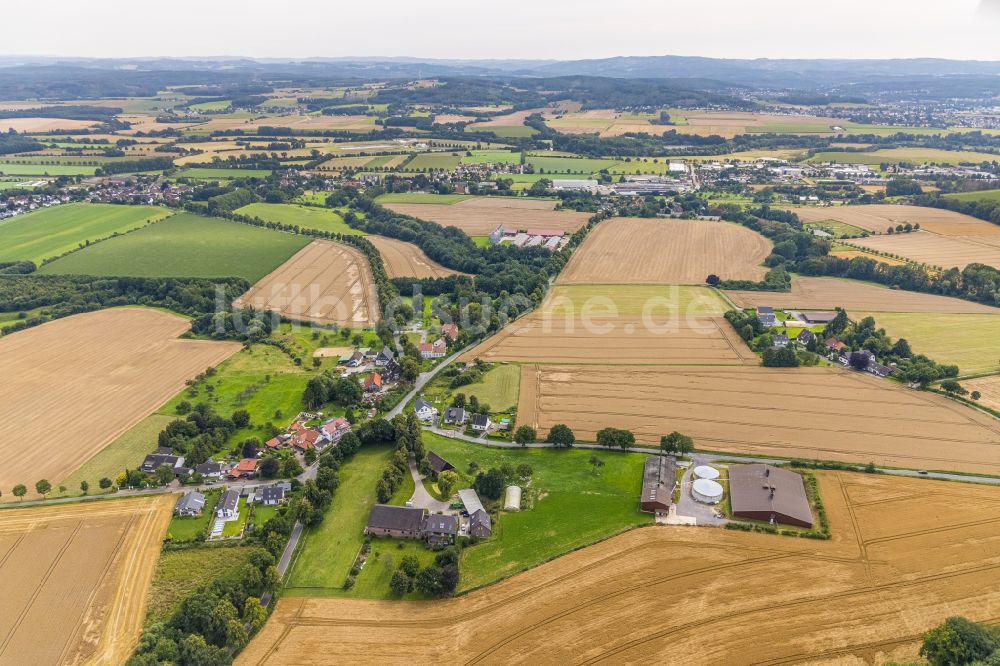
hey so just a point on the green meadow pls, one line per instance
(306, 217)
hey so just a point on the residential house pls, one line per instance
(436, 349)
(273, 443)
(480, 524)
(356, 359)
(780, 340)
(424, 410)
(154, 461)
(229, 505)
(391, 371)
(481, 422)
(833, 344)
(766, 316)
(438, 464)
(384, 356)
(395, 521)
(439, 530)
(211, 470)
(372, 383)
(368, 353)
(191, 504)
(450, 331)
(305, 439)
(804, 337)
(454, 415)
(273, 494)
(880, 370)
(334, 429)
(245, 469)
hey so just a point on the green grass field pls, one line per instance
(51, 232)
(262, 380)
(509, 131)
(499, 389)
(837, 228)
(212, 173)
(657, 300)
(185, 245)
(491, 157)
(306, 217)
(481, 241)
(126, 451)
(217, 105)
(982, 195)
(966, 340)
(181, 572)
(426, 161)
(419, 197)
(385, 557)
(573, 505)
(573, 165)
(14, 184)
(8, 169)
(327, 553)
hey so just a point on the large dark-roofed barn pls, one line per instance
(657, 484)
(763, 492)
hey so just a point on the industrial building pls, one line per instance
(764, 492)
(657, 484)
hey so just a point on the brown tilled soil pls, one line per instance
(905, 554)
(625, 339)
(660, 251)
(72, 385)
(404, 259)
(325, 282)
(824, 413)
(826, 293)
(936, 250)
(75, 579)
(480, 216)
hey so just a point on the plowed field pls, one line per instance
(658, 251)
(825, 293)
(905, 553)
(480, 216)
(325, 282)
(74, 384)
(404, 259)
(824, 413)
(75, 579)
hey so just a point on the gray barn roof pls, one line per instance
(403, 518)
(471, 500)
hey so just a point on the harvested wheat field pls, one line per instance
(824, 413)
(936, 250)
(72, 385)
(44, 124)
(904, 554)
(404, 259)
(481, 215)
(75, 579)
(325, 282)
(852, 253)
(827, 293)
(879, 217)
(988, 387)
(650, 251)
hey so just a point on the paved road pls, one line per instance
(421, 499)
(422, 380)
(293, 541)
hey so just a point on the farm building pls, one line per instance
(578, 185)
(657, 484)
(439, 530)
(229, 505)
(818, 317)
(395, 521)
(191, 504)
(154, 461)
(513, 501)
(437, 463)
(706, 491)
(480, 524)
(763, 492)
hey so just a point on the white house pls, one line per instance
(228, 507)
(481, 423)
(424, 410)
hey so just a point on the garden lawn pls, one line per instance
(187, 528)
(574, 506)
(51, 232)
(383, 561)
(127, 451)
(234, 528)
(327, 552)
(185, 245)
(306, 217)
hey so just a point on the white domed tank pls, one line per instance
(706, 491)
(706, 472)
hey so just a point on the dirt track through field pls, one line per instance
(823, 413)
(661, 251)
(72, 385)
(404, 259)
(325, 282)
(828, 293)
(480, 216)
(75, 579)
(902, 551)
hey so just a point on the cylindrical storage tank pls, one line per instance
(706, 491)
(706, 472)
(513, 501)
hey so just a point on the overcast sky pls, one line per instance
(562, 29)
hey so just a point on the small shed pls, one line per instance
(513, 501)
